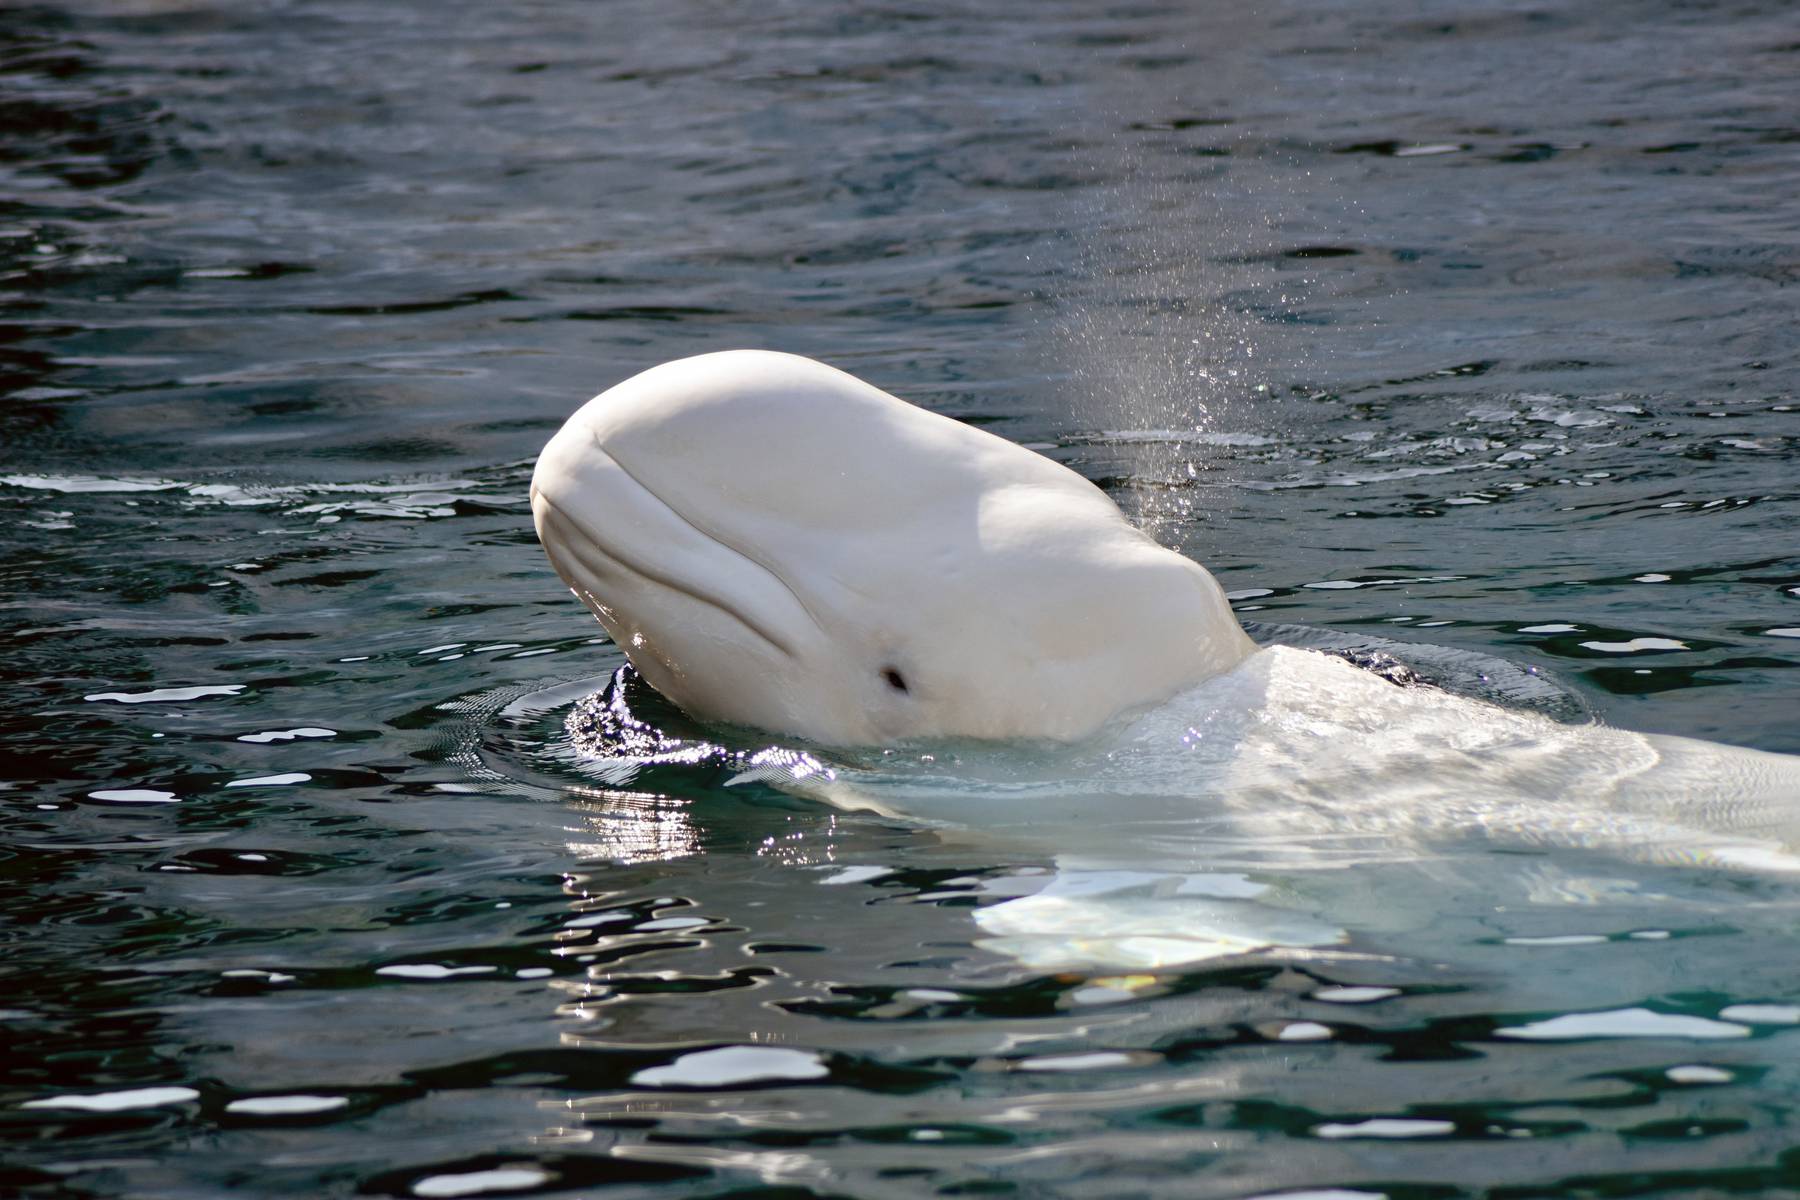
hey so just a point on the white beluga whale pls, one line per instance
(777, 544)
(988, 647)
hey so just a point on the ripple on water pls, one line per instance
(1636, 645)
(168, 695)
(296, 1105)
(479, 1183)
(1385, 1127)
(431, 971)
(287, 735)
(1623, 1023)
(1762, 1014)
(134, 796)
(734, 1066)
(122, 1101)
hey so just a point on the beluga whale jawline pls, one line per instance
(775, 543)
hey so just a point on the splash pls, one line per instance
(1171, 333)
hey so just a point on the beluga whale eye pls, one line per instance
(894, 679)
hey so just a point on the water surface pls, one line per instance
(1459, 325)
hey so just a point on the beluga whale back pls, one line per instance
(774, 543)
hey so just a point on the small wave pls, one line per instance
(89, 483)
(408, 499)
(1183, 436)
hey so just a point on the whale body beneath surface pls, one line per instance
(775, 544)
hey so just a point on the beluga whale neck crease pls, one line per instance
(775, 543)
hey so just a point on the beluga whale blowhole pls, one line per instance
(775, 543)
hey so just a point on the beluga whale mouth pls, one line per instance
(774, 543)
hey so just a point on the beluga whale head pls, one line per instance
(774, 543)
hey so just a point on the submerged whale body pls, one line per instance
(1293, 804)
(777, 544)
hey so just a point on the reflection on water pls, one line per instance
(1437, 331)
(631, 827)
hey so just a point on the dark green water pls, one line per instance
(1489, 312)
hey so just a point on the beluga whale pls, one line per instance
(777, 544)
